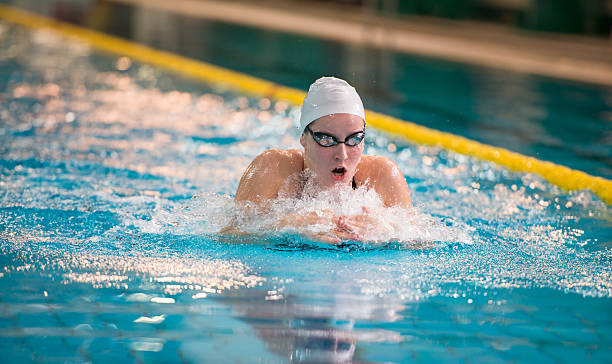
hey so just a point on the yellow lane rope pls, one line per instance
(561, 176)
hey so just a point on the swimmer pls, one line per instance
(332, 126)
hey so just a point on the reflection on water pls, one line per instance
(511, 121)
(303, 332)
(115, 178)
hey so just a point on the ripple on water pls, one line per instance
(92, 156)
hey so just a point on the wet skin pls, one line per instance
(323, 161)
(276, 171)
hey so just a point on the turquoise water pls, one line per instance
(116, 176)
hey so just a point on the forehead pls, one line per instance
(338, 124)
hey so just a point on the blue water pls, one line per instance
(115, 178)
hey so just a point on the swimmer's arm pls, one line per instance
(300, 223)
(261, 183)
(262, 179)
(335, 234)
(231, 229)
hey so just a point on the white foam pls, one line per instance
(379, 225)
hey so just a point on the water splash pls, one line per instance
(89, 151)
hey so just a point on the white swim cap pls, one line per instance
(329, 95)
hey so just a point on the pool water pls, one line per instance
(115, 178)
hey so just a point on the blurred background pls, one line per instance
(591, 17)
(532, 76)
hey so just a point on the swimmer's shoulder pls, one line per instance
(284, 161)
(267, 173)
(384, 175)
(376, 166)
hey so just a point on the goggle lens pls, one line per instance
(326, 140)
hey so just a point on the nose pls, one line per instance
(340, 152)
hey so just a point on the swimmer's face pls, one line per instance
(336, 164)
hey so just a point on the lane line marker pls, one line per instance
(561, 176)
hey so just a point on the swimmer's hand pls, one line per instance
(231, 230)
(326, 227)
(343, 228)
(336, 236)
(363, 225)
(318, 226)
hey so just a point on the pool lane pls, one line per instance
(197, 44)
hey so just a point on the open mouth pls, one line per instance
(339, 172)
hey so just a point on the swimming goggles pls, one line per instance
(327, 140)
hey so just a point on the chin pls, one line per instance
(331, 182)
(345, 181)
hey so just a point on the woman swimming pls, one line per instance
(332, 126)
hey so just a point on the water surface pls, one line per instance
(116, 177)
